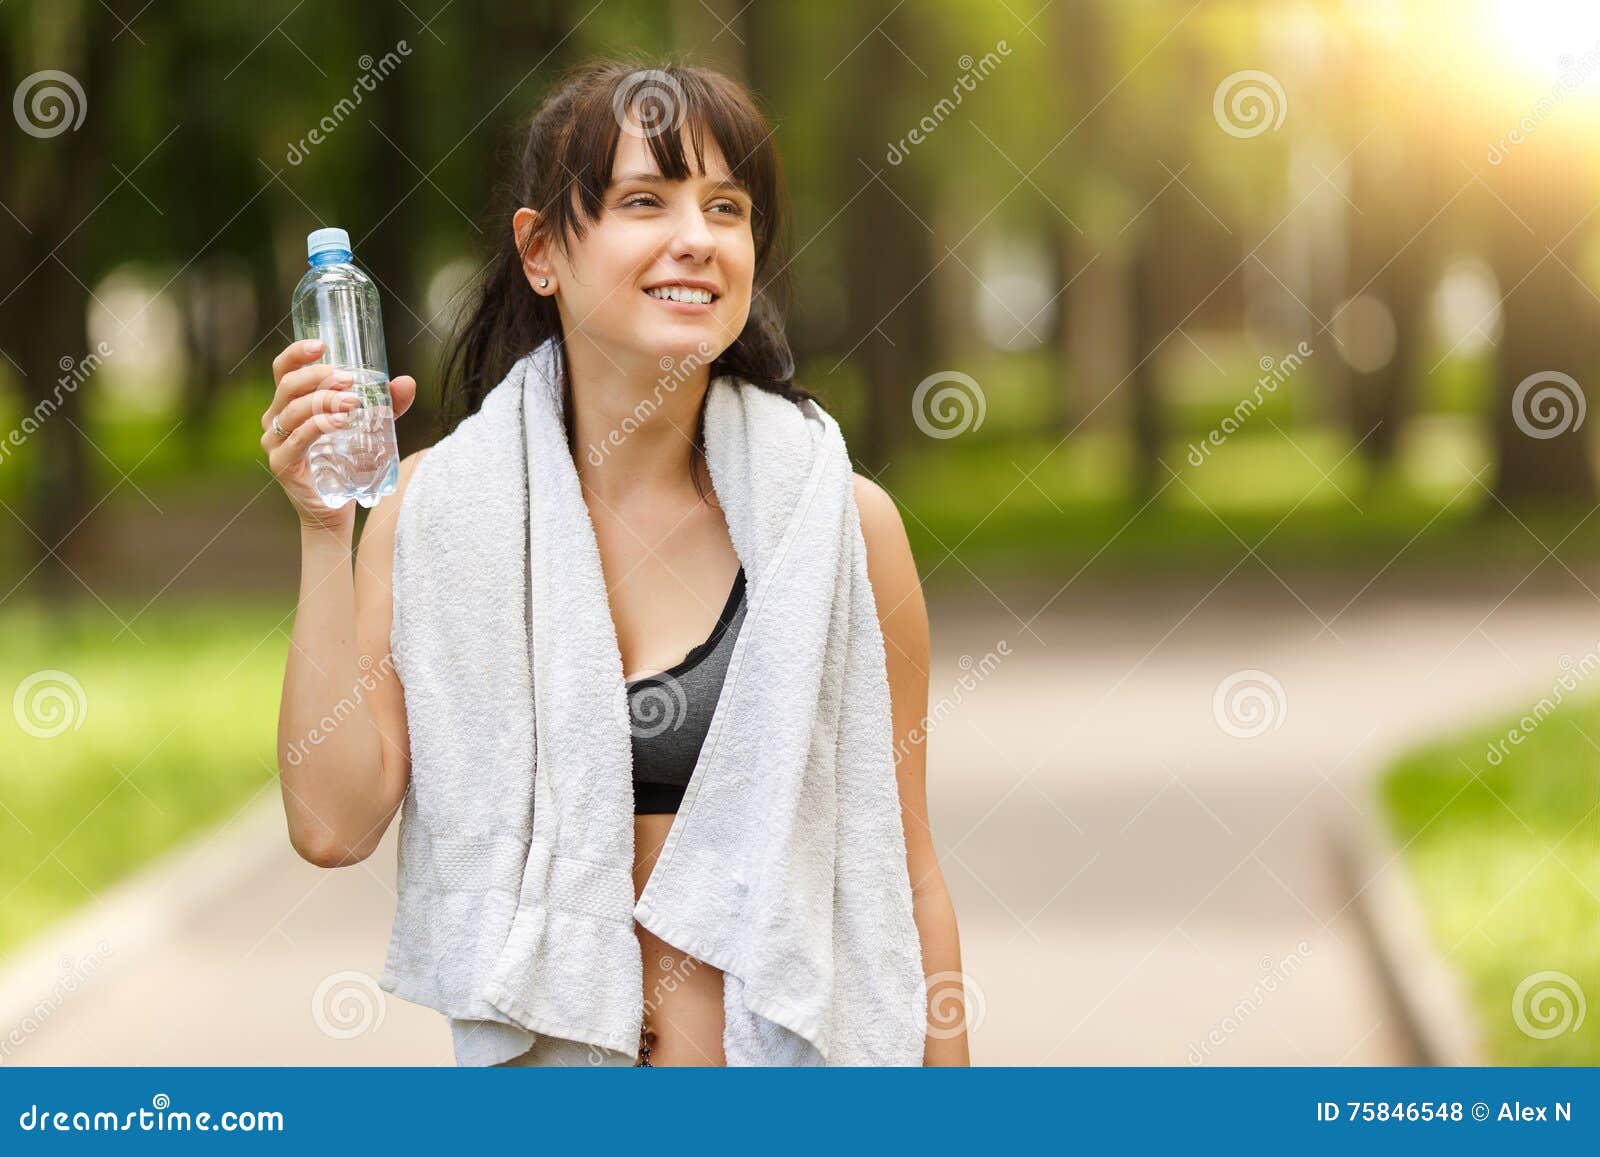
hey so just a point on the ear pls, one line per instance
(536, 258)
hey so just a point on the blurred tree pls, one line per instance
(53, 182)
(889, 242)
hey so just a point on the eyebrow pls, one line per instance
(658, 179)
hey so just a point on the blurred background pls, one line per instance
(1227, 359)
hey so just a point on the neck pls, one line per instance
(633, 422)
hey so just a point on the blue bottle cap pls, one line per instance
(325, 241)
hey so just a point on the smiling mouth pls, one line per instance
(682, 295)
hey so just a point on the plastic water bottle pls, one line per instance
(338, 304)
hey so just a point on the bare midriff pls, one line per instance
(682, 995)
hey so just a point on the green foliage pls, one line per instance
(174, 736)
(1506, 860)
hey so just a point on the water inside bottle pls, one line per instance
(360, 460)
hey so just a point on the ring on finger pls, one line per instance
(277, 429)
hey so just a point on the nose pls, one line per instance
(693, 240)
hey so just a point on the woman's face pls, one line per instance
(637, 285)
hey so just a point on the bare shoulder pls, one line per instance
(888, 548)
(892, 569)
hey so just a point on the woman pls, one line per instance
(645, 231)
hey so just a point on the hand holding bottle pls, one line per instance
(313, 399)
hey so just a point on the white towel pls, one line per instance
(785, 865)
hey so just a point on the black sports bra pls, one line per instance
(670, 712)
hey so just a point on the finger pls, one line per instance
(402, 392)
(294, 447)
(294, 355)
(303, 381)
(316, 402)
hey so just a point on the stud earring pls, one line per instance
(544, 283)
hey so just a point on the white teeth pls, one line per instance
(680, 293)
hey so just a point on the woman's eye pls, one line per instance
(639, 199)
(732, 209)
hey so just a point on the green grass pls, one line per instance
(1507, 866)
(173, 736)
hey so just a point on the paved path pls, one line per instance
(1126, 874)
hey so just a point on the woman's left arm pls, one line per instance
(903, 615)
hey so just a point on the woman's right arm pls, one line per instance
(343, 748)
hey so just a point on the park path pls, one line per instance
(1126, 874)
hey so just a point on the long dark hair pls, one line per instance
(568, 149)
